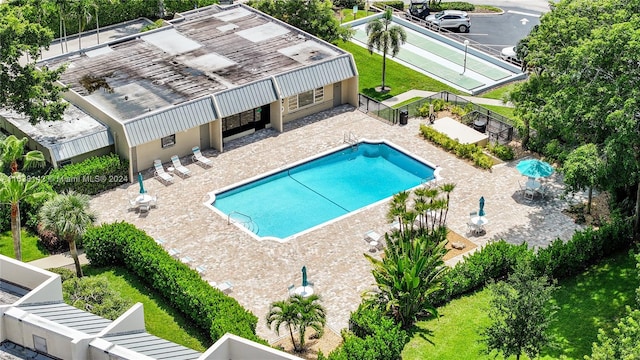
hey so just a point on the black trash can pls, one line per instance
(404, 117)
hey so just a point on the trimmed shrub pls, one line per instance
(123, 244)
(348, 4)
(466, 151)
(51, 242)
(92, 176)
(398, 5)
(503, 152)
(453, 5)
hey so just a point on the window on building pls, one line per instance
(168, 141)
(306, 98)
(40, 344)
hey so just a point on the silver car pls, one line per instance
(450, 19)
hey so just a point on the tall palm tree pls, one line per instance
(385, 38)
(447, 189)
(62, 11)
(14, 189)
(82, 9)
(284, 313)
(12, 151)
(312, 315)
(68, 216)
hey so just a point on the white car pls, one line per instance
(450, 19)
(509, 54)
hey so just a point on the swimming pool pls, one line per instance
(310, 193)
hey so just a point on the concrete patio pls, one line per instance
(261, 271)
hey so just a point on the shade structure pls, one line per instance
(534, 168)
(304, 276)
(481, 211)
(142, 190)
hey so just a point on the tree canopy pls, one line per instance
(23, 87)
(314, 16)
(585, 83)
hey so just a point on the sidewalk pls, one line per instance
(422, 94)
(59, 260)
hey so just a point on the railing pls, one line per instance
(350, 138)
(248, 223)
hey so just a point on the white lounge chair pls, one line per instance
(197, 156)
(371, 236)
(160, 173)
(179, 167)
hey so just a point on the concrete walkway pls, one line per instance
(423, 94)
(59, 260)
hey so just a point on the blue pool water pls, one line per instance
(319, 190)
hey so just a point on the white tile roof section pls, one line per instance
(246, 97)
(171, 41)
(316, 75)
(69, 316)
(153, 346)
(170, 121)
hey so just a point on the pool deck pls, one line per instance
(261, 271)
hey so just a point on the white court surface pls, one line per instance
(442, 58)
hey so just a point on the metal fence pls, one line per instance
(499, 128)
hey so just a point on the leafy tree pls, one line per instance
(297, 313)
(581, 170)
(68, 216)
(385, 38)
(584, 85)
(14, 189)
(622, 344)
(313, 16)
(520, 313)
(12, 151)
(93, 294)
(24, 88)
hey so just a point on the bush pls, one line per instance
(93, 294)
(51, 242)
(209, 308)
(440, 105)
(372, 336)
(503, 152)
(348, 4)
(92, 176)
(465, 151)
(453, 5)
(398, 5)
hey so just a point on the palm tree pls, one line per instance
(14, 189)
(284, 312)
(312, 315)
(385, 38)
(62, 11)
(68, 216)
(447, 189)
(81, 8)
(12, 151)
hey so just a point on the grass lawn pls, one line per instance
(499, 92)
(160, 318)
(31, 248)
(594, 299)
(400, 78)
(502, 110)
(346, 15)
(408, 101)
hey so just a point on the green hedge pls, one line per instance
(453, 5)
(466, 151)
(398, 5)
(123, 244)
(92, 176)
(558, 260)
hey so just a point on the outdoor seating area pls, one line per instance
(176, 167)
(374, 239)
(306, 287)
(535, 170)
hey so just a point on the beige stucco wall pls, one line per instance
(215, 134)
(350, 91)
(327, 103)
(148, 152)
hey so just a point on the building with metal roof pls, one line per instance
(208, 76)
(35, 323)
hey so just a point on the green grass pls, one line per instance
(502, 110)
(160, 318)
(408, 101)
(594, 299)
(346, 15)
(400, 78)
(499, 92)
(31, 248)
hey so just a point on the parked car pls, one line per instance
(509, 54)
(419, 9)
(450, 19)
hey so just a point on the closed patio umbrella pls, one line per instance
(304, 276)
(481, 211)
(142, 190)
(534, 168)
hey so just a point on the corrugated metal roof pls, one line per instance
(246, 97)
(316, 75)
(170, 121)
(153, 346)
(69, 316)
(81, 145)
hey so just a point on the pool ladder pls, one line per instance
(247, 221)
(352, 139)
